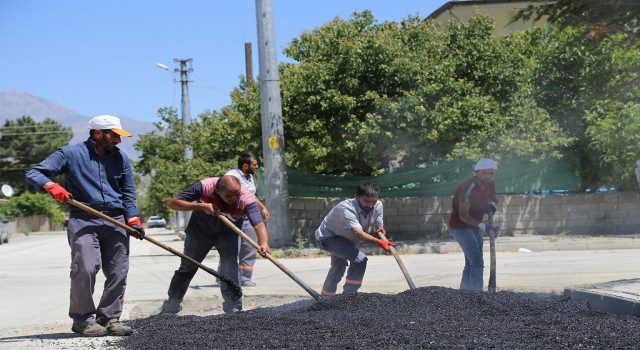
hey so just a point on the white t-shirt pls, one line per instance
(246, 181)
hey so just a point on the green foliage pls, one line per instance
(594, 19)
(365, 97)
(614, 131)
(24, 143)
(216, 140)
(30, 204)
(576, 77)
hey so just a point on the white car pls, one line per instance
(156, 221)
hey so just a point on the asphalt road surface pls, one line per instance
(34, 280)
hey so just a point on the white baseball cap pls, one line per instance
(486, 163)
(108, 122)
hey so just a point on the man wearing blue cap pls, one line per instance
(473, 198)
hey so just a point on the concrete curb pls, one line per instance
(606, 300)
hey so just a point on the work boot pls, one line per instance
(171, 306)
(114, 327)
(229, 307)
(91, 329)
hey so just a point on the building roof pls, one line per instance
(449, 5)
(501, 10)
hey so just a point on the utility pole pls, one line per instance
(248, 63)
(277, 194)
(181, 218)
(184, 70)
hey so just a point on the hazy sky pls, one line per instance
(99, 57)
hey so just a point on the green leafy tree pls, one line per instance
(24, 143)
(30, 204)
(364, 97)
(215, 138)
(594, 19)
(162, 157)
(614, 132)
(587, 72)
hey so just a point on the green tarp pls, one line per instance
(518, 176)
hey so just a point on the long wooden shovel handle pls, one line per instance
(244, 236)
(211, 271)
(400, 263)
(492, 252)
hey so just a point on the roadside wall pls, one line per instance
(414, 218)
(36, 223)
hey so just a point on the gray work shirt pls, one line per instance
(348, 215)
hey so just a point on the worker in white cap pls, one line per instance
(108, 122)
(100, 176)
(472, 199)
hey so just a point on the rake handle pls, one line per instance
(403, 268)
(492, 252)
(150, 239)
(244, 236)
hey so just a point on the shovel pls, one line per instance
(492, 252)
(233, 291)
(399, 261)
(244, 236)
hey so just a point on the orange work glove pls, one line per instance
(58, 192)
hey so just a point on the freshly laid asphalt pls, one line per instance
(34, 272)
(616, 296)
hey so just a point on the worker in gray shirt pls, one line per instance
(351, 221)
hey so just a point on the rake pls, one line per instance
(399, 261)
(233, 291)
(244, 236)
(492, 251)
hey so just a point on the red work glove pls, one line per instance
(136, 224)
(385, 244)
(379, 229)
(58, 192)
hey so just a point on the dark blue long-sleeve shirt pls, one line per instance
(103, 182)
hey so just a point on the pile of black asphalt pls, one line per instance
(423, 318)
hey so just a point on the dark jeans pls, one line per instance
(202, 234)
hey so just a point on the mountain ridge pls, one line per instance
(16, 103)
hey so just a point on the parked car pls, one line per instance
(156, 221)
(4, 234)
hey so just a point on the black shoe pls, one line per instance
(171, 306)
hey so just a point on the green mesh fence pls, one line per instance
(514, 176)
